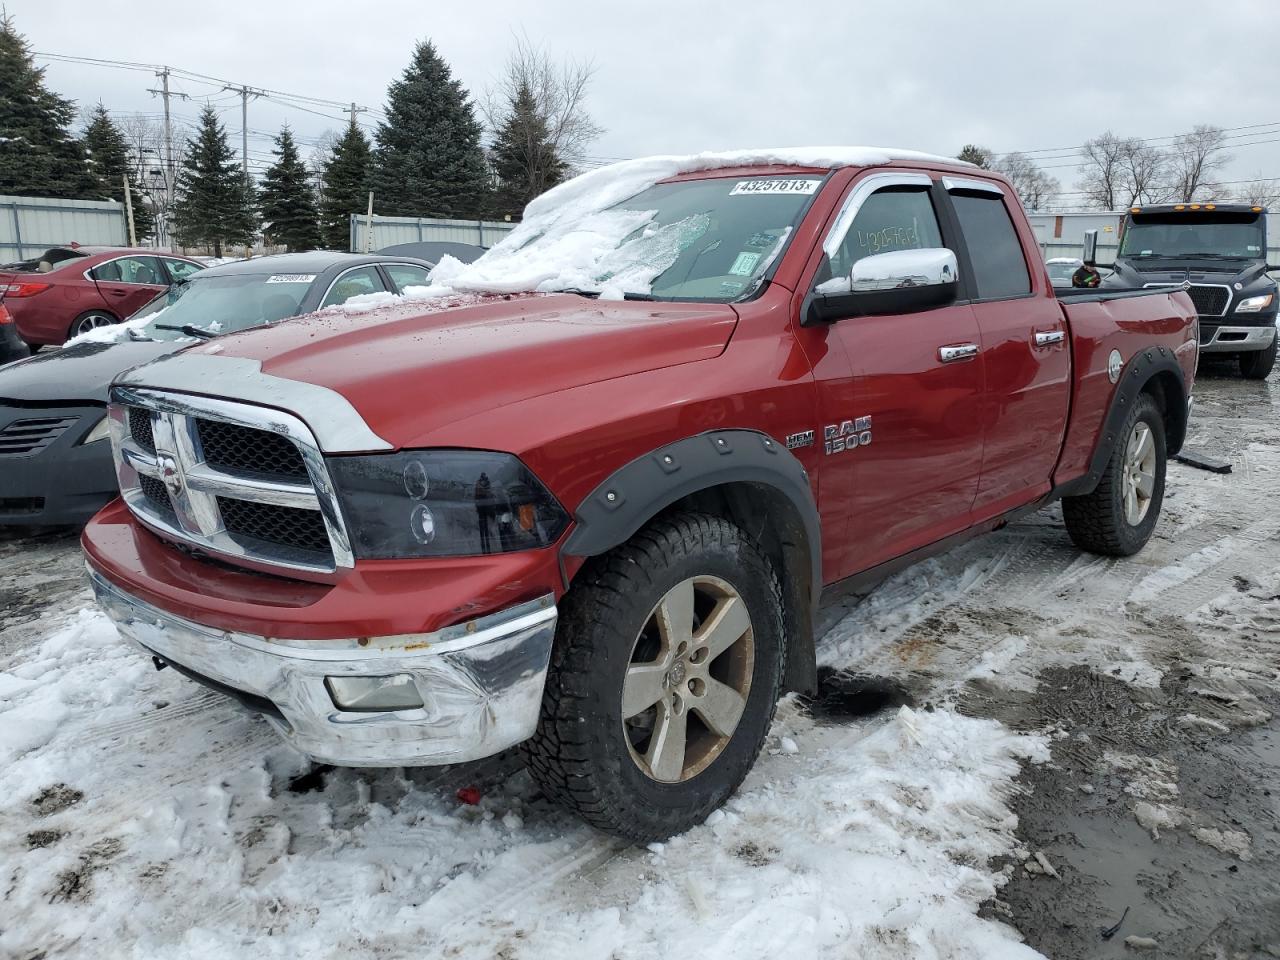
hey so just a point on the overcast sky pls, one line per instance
(688, 76)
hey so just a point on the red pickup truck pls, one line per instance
(592, 506)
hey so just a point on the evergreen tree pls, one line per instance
(38, 155)
(429, 160)
(214, 205)
(108, 157)
(523, 156)
(287, 199)
(975, 154)
(344, 187)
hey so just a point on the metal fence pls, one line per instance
(389, 230)
(30, 225)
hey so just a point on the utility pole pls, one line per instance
(169, 174)
(245, 94)
(128, 209)
(353, 110)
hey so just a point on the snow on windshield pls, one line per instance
(570, 236)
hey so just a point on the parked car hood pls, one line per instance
(80, 372)
(409, 370)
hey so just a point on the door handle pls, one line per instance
(962, 351)
(1050, 338)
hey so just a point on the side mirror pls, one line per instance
(902, 281)
(1090, 252)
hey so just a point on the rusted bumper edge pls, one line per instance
(461, 693)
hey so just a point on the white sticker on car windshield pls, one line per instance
(745, 264)
(291, 278)
(744, 187)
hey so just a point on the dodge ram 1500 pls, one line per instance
(586, 494)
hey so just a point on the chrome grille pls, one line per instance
(235, 481)
(24, 437)
(238, 449)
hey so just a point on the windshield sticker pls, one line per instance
(745, 264)
(291, 278)
(757, 186)
(765, 238)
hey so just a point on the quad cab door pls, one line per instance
(1025, 348)
(902, 433)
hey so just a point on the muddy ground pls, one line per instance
(1153, 830)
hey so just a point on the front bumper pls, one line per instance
(480, 683)
(1229, 339)
(66, 481)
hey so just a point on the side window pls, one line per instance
(130, 270)
(352, 284)
(181, 269)
(407, 275)
(999, 267)
(895, 218)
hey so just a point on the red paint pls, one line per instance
(577, 388)
(469, 795)
(45, 305)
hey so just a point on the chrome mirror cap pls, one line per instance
(930, 267)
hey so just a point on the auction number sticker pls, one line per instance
(758, 186)
(291, 278)
(745, 264)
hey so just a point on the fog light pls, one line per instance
(370, 694)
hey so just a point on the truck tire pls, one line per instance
(1258, 364)
(665, 674)
(1118, 517)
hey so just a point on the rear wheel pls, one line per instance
(1118, 517)
(664, 679)
(1258, 364)
(90, 321)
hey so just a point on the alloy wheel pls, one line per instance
(688, 679)
(1139, 473)
(92, 322)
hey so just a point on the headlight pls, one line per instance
(444, 503)
(101, 430)
(1255, 304)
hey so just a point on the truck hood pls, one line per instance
(412, 367)
(1137, 273)
(80, 372)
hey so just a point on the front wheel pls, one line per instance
(1118, 517)
(1258, 364)
(664, 678)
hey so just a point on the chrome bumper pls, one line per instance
(480, 683)
(1238, 339)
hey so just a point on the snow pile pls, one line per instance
(145, 817)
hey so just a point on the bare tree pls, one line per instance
(1034, 187)
(559, 92)
(1103, 167)
(1260, 193)
(1141, 170)
(145, 139)
(1193, 159)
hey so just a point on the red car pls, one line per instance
(67, 291)
(595, 512)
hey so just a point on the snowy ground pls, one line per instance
(1114, 717)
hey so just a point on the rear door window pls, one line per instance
(142, 270)
(407, 275)
(353, 283)
(999, 267)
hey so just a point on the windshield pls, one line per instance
(688, 240)
(222, 304)
(1190, 235)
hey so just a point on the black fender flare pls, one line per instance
(639, 490)
(1143, 367)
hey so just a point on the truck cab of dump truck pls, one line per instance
(1220, 249)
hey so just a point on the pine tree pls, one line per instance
(38, 155)
(287, 198)
(344, 187)
(214, 205)
(429, 160)
(972, 153)
(523, 156)
(108, 157)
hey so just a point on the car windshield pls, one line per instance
(1237, 235)
(216, 305)
(710, 239)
